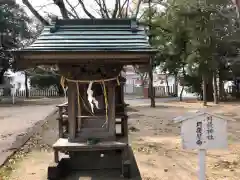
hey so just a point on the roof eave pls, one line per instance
(84, 51)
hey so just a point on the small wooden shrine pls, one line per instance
(90, 55)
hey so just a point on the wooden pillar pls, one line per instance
(79, 106)
(60, 122)
(56, 156)
(122, 92)
(111, 109)
(72, 110)
(125, 126)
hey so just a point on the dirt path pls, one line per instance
(18, 120)
(156, 144)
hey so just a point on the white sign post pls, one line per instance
(203, 131)
(201, 161)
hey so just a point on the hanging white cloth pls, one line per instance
(65, 93)
(91, 99)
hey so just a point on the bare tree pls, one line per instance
(35, 12)
(73, 9)
(68, 9)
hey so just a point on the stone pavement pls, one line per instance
(17, 125)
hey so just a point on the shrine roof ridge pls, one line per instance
(96, 21)
(121, 35)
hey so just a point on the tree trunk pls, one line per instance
(237, 95)
(215, 90)
(175, 85)
(168, 90)
(220, 87)
(181, 93)
(26, 85)
(209, 88)
(151, 92)
(2, 76)
(204, 89)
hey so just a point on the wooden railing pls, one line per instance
(63, 119)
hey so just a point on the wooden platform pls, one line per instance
(63, 144)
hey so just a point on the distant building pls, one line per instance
(17, 80)
(133, 81)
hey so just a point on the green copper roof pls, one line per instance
(92, 35)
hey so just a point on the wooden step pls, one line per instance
(63, 144)
(118, 116)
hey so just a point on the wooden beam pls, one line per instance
(79, 105)
(111, 109)
(65, 57)
(26, 63)
(60, 122)
(72, 110)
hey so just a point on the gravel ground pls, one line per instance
(19, 120)
(156, 143)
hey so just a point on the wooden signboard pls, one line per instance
(203, 131)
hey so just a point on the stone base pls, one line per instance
(95, 166)
(58, 171)
(94, 160)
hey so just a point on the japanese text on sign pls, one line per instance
(199, 133)
(210, 128)
(204, 131)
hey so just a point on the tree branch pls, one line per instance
(128, 4)
(120, 13)
(73, 9)
(43, 6)
(85, 10)
(35, 13)
(76, 5)
(62, 8)
(72, 15)
(102, 13)
(105, 8)
(102, 8)
(119, 7)
(138, 8)
(117, 2)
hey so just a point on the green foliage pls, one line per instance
(43, 79)
(170, 38)
(196, 36)
(14, 28)
(194, 83)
